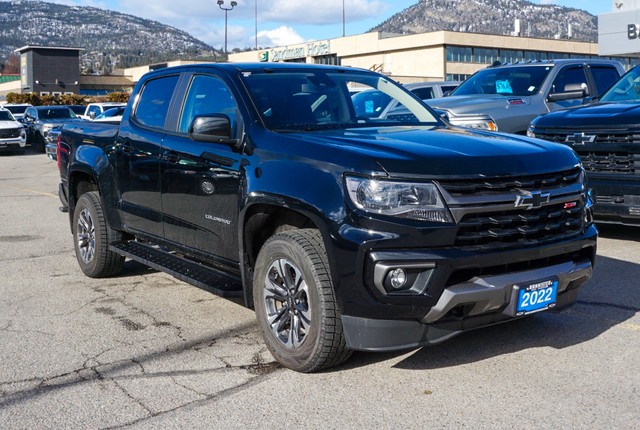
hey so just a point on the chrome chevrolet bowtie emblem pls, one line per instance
(580, 138)
(531, 200)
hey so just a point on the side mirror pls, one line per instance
(588, 100)
(213, 128)
(566, 95)
(447, 93)
(92, 114)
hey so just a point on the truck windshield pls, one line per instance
(306, 100)
(5, 115)
(626, 90)
(507, 81)
(64, 113)
(16, 109)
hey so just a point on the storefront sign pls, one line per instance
(312, 49)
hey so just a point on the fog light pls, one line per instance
(398, 278)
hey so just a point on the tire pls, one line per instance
(92, 236)
(301, 326)
(39, 143)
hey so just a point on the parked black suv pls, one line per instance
(344, 232)
(606, 136)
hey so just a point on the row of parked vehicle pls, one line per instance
(516, 98)
(38, 126)
(585, 104)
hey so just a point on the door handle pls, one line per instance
(125, 146)
(171, 157)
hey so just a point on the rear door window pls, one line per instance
(425, 93)
(154, 101)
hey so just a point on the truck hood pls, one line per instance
(10, 124)
(594, 116)
(432, 152)
(475, 104)
(61, 121)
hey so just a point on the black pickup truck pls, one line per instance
(606, 135)
(344, 232)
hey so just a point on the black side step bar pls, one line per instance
(196, 274)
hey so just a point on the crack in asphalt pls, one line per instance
(34, 257)
(609, 305)
(256, 380)
(102, 370)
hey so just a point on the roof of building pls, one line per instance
(30, 47)
(9, 78)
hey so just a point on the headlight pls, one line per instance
(23, 133)
(481, 123)
(530, 132)
(419, 201)
(47, 127)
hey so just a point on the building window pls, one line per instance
(534, 56)
(331, 60)
(456, 76)
(44, 93)
(459, 54)
(510, 56)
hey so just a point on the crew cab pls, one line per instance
(606, 136)
(40, 120)
(343, 232)
(508, 97)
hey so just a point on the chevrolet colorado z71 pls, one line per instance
(343, 232)
(606, 136)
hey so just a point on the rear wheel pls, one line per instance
(295, 303)
(92, 236)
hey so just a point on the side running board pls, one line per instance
(196, 274)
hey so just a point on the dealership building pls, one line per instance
(433, 56)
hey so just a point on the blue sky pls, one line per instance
(280, 22)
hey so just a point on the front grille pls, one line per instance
(520, 228)
(9, 133)
(541, 182)
(614, 137)
(622, 163)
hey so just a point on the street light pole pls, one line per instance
(256, 5)
(226, 10)
(343, 20)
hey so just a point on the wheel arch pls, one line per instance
(265, 216)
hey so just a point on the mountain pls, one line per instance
(493, 17)
(111, 39)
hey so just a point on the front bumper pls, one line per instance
(12, 144)
(617, 198)
(51, 144)
(480, 302)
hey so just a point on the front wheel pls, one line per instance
(295, 303)
(92, 236)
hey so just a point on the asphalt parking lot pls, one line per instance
(144, 350)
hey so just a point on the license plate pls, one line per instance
(537, 297)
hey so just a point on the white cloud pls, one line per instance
(280, 11)
(321, 12)
(279, 37)
(548, 1)
(204, 20)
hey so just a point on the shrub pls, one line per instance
(118, 97)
